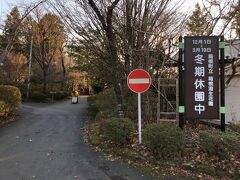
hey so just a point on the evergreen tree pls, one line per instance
(12, 31)
(197, 24)
(14, 71)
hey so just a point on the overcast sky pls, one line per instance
(7, 5)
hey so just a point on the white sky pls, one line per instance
(190, 4)
(7, 5)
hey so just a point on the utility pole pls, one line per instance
(29, 68)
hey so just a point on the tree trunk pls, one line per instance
(128, 36)
(63, 72)
(111, 44)
(114, 60)
(44, 80)
(112, 48)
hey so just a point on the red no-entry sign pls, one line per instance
(139, 80)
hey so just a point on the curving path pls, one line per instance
(46, 144)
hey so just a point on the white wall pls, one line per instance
(233, 101)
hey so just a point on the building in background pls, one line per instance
(232, 79)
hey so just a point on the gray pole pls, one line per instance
(139, 119)
(29, 68)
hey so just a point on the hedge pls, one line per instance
(118, 130)
(38, 96)
(4, 109)
(11, 95)
(166, 141)
(221, 144)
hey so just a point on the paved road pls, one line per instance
(46, 144)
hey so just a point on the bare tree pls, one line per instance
(220, 15)
(48, 35)
(132, 33)
(107, 25)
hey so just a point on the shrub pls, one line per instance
(36, 87)
(95, 137)
(92, 107)
(118, 130)
(221, 144)
(60, 95)
(4, 109)
(66, 94)
(234, 127)
(102, 102)
(11, 95)
(166, 141)
(106, 100)
(38, 96)
(23, 90)
(91, 99)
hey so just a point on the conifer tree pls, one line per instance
(197, 24)
(12, 31)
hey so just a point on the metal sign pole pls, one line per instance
(222, 108)
(139, 81)
(139, 119)
(181, 108)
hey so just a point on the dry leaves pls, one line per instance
(140, 157)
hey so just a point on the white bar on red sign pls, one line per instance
(139, 81)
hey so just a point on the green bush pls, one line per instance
(11, 95)
(60, 95)
(4, 109)
(166, 141)
(234, 127)
(118, 130)
(35, 87)
(23, 90)
(66, 94)
(38, 96)
(221, 144)
(92, 107)
(104, 102)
